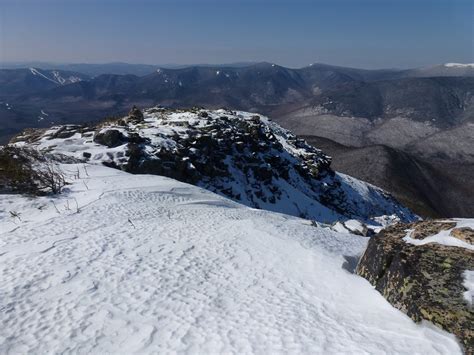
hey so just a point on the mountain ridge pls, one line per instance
(245, 157)
(430, 118)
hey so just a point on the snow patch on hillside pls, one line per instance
(56, 77)
(459, 65)
(37, 72)
(63, 81)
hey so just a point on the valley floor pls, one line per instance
(136, 263)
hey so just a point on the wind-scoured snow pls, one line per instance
(124, 263)
(444, 237)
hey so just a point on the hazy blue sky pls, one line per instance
(360, 33)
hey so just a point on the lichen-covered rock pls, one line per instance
(426, 280)
(424, 229)
(465, 234)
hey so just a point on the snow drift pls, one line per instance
(139, 263)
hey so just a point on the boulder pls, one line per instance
(110, 138)
(135, 114)
(425, 281)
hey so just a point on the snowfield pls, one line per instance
(125, 263)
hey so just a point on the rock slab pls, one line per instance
(424, 281)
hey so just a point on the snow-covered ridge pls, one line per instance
(123, 263)
(459, 65)
(240, 155)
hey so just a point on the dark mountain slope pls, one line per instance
(350, 74)
(263, 87)
(413, 181)
(441, 100)
(26, 81)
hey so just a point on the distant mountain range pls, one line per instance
(422, 116)
(117, 68)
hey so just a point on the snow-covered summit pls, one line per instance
(240, 155)
(122, 263)
(459, 65)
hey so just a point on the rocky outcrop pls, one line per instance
(465, 234)
(135, 114)
(110, 138)
(424, 280)
(240, 155)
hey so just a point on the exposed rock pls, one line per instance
(427, 228)
(64, 132)
(111, 138)
(135, 114)
(29, 135)
(240, 155)
(424, 281)
(465, 234)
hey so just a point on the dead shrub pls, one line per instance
(28, 171)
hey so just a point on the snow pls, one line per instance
(459, 65)
(350, 226)
(150, 265)
(354, 225)
(443, 237)
(57, 78)
(161, 129)
(36, 72)
(339, 227)
(469, 285)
